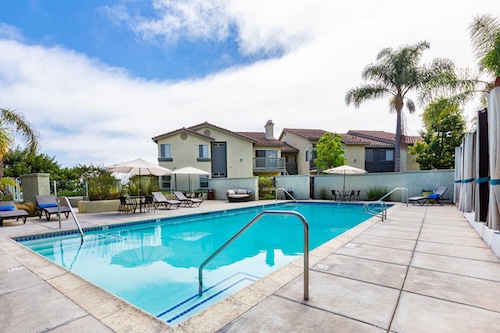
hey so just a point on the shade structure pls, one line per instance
(139, 167)
(345, 169)
(189, 170)
(494, 163)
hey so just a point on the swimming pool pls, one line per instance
(154, 264)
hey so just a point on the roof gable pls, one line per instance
(207, 124)
(178, 131)
(309, 134)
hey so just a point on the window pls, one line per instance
(369, 155)
(389, 155)
(307, 155)
(166, 182)
(165, 151)
(203, 151)
(204, 181)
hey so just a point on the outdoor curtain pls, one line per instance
(494, 145)
(467, 182)
(481, 174)
(458, 174)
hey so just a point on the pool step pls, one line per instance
(211, 295)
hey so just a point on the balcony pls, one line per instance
(265, 164)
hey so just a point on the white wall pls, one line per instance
(299, 184)
(221, 185)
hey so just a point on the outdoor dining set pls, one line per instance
(352, 195)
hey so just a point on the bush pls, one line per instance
(29, 206)
(266, 191)
(324, 194)
(377, 192)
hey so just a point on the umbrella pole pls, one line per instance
(343, 190)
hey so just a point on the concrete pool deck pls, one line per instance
(424, 269)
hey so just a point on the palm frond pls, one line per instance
(22, 127)
(365, 92)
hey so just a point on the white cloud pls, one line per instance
(89, 112)
(10, 32)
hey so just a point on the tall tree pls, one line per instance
(464, 85)
(14, 125)
(329, 152)
(444, 128)
(394, 75)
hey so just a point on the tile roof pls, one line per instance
(195, 127)
(287, 148)
(260, 138)
(180, 130)
(309, 134)
(383, 137)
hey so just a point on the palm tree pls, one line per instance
(14, 125)
(465, 84)
(396, 73)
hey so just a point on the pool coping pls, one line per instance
(122, 316)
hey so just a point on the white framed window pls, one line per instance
(203, 151)
(165, 150)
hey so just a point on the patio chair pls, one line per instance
(127, 205)
(188, 202)
(8, 210)
(159, 200)
(433, 198)
(48, 205)
(336, 195)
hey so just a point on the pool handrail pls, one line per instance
(245, 228)
(369, 208)
(72, 213)
(394, 189)
(286, 192)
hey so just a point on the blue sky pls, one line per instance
(90, 27)
(99, 79)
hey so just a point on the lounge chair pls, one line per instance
(188, 202)
(435, 197)
(47, 204)
(159, 199)
(8, 210)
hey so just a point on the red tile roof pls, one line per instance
(309, 134)
(288, 148)
(180, 130)
(195, 127)
(383, 138)
(260, 138)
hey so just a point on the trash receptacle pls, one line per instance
(210, 194)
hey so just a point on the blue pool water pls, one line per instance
(154, 264)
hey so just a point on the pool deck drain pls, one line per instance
(424, 269)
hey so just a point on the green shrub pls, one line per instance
(324, 194)
(266, 191)
(377, 192)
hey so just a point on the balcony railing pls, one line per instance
(265, 164)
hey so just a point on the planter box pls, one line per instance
(98, 206)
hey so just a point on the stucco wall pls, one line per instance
(414, 181)
(302, 145)
(221, 185)
(299, 184)
(355, 155)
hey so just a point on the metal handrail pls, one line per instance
(72, 213)
(245, 228)
(291, 196)
(397, 188)
(369, 208)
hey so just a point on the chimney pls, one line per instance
(269, 130)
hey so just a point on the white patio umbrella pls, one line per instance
(139, 167)
(345, 169)
(189, 170)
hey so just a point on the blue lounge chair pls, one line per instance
(48, 205)
(433, 198)
(8, 210)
